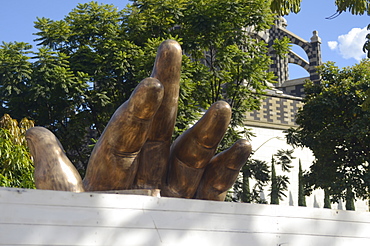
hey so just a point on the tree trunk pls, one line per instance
(350, 201)
(327, 203)
(301, 196)
(274, 186)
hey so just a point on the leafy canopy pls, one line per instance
(16, 169)
(334, 126)
(88, 63)
(356, 7)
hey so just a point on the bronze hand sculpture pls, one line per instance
(135, 152)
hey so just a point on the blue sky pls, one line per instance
(342, 37)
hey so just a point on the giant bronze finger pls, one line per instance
(112, 164)
(222, 171)
(193, 150)
(153, 157)
(53, 170)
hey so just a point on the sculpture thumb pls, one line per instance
(53, 169)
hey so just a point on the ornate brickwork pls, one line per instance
(280, 64)
(284, 99)
(282, 102)
(277, 111)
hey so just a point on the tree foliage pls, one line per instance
(284, 7)
(88, 63)
(274, 194)
(334, 126)
(301, 186)
(327, 202)
(356, 7)
(226, 62)
(255, 170)
(366, 47)
(260, 173)
(350, 199)
(44, 88)
(279, 183)
(16, 169)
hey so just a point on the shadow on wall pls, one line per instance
(40, 217)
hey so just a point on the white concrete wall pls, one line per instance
(37, 217)
(268, 142)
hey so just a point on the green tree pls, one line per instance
(90, 61)
(260, 173)
(327, 202)
(54, 89)
(226, 62)
(15, 71)
(366, 47)
(274, 194)
(333, 125)
(57, 98)
(350, 200)
(301, 190)
(111, 51)
(94, 40)
(356, 7)
(279, 183)
(45, 89)
(284, 7)
(16, 169)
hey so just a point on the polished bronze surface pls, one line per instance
(222, 171)
(134, 150)
(113, 164)
(153, 157)
(53, 170)
(193, 150)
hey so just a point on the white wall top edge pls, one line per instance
(101, 200)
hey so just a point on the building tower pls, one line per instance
(280, 64)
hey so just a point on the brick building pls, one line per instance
(278, 110)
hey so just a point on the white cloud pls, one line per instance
(333, 45)
(350, 45)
